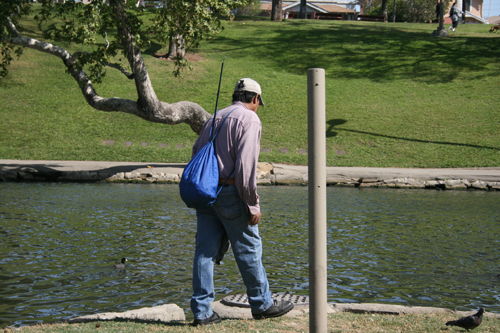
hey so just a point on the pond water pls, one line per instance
(411, 247)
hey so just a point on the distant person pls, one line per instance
(454, 11)
(236, 212)
(438, 9)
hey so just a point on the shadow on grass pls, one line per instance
(331, 131)
(153, 49)
(375, 52)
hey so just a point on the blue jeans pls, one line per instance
(229, 213)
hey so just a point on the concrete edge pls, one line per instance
(267, 174)
(399, 309)
(165, 313)
(168, 313)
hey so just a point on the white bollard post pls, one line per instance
(316, 128)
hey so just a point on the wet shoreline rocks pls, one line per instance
(486, 179)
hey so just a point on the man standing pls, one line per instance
(236, 212)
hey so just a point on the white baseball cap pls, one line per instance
(247, 84)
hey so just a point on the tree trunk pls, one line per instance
(176, 48)
(303, 9)
(362, 5)
(394, 11)
(383, 10)
(277, 11)
(147, 106)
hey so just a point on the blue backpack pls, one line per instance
(200, 179)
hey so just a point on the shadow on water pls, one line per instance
(375, 52)
(409, 247)
(332, 128)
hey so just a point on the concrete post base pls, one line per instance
(440, 33)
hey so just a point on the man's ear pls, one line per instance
(255, 99)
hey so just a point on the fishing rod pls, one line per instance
(220, 80)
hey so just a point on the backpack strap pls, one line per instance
(213, 134)
(212, 137)
(220, 188)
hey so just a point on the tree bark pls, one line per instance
(147, 106)
(277, 11)
(394, 11)
(303, 9)
(176, 48)
(383, 10)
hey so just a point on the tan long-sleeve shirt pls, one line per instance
(237, 147)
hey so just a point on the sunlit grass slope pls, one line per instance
(395, 96)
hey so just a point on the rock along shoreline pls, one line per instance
(172, 313)
(487, 179)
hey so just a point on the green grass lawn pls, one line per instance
(342, 322)
(395, 97)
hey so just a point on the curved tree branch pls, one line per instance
(129, 75)
(148, 106)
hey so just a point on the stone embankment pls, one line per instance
(268, 174)
(277, 174)
(172, 313)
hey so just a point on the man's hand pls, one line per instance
(255, 219)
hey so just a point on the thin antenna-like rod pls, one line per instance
(220, 80)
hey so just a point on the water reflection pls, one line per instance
(410, 247)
